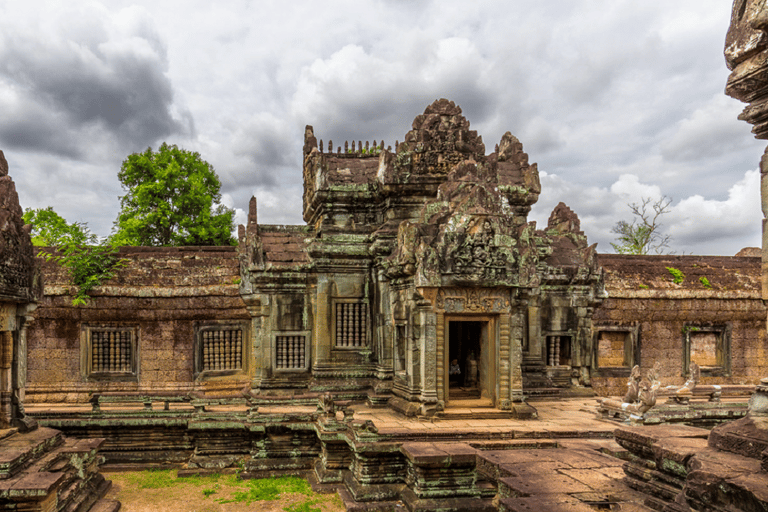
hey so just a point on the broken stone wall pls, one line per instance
(162, 301)
(714, 316)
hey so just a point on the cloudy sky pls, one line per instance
(615, 100)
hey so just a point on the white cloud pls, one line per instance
(613, 100)
(696, 224)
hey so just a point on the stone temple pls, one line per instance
(417, 257)
(417, 343)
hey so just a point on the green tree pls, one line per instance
(49, 229)
(172, 199)
(643, 234)
(88, 260)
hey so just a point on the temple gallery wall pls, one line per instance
(416, 283)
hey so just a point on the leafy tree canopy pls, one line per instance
(88, 260)
(49, 229)
(172, 199)
(643, 234)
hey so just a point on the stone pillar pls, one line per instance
(504, 370)
(764, 204)
(440, 356)
(6, 386)
(516, 333)
(428, 340)
(321, 331)
(534, 332)
(260, 363)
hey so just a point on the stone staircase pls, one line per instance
(42, 471)
(483, 409)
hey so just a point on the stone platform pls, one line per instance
(677, 470)
(377, 459)
(43, 471)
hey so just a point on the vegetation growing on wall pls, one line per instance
(677, 275)
(90, 261)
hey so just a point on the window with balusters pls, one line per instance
(558, 351)
(351, 325)
(109, 352)
(220, 349)
(290, 351)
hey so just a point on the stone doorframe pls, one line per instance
(505, 328)
(491, 344)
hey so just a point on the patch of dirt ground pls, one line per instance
(163, 491)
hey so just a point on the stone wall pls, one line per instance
(167, 294)
(717, 305)
(162, 297)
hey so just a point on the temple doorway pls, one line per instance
(467, 360)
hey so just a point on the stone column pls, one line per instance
(428, 322)
(321, 331)
(534, 332)
(6, 386)
(260, 357)
(440, 356)
(504, 399)
(516, 333)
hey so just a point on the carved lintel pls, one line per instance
(471, 300)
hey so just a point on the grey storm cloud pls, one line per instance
(70, 82)
(613, 100)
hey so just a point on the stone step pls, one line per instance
(490, 414)
(30, 491)
(105, 506)
(50, 472)
(19, 450)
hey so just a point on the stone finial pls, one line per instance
(564, 220)
(310, 142)
(443, 107)
(3, 165)
(252, 214)
(509, 148)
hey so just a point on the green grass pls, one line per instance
(264, 489)
(267, 489)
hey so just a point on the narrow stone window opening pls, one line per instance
(558, 351)
(220, 349)
(709, 347)
(109, 353)
(351, 325)
(290, 352)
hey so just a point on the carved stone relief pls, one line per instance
(472, 301)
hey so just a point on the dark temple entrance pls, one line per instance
(465, 370)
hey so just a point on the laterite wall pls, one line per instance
(165, 293)
(716, 293)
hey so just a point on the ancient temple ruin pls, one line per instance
(417, 287)
(418, 283)
(415, 258)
